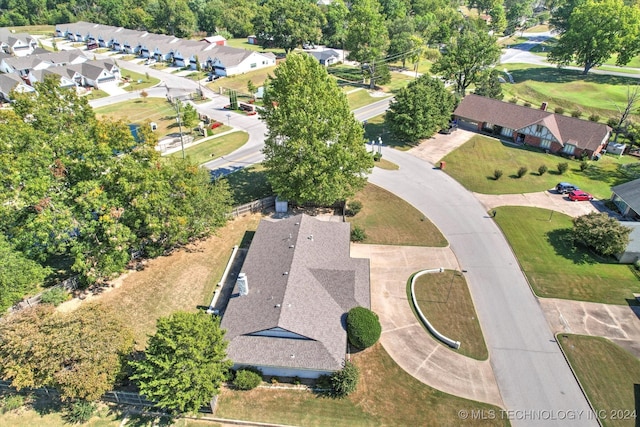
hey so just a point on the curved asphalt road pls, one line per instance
(534, 379)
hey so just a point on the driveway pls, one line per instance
(543, 199)
(403, 336)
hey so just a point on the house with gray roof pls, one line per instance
(325, 57)
(536, 127)
(21, 65)
(60, 74)
(11, 82)
(229, 61)
(94, 74)
(626, 197)
(18, 44)
(288, 317)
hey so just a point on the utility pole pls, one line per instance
(176, 104)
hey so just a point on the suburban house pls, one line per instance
(95, 74)
(65, 77)
(632, 252)
(536, 127)
(11, 82)
(211, 52)
(18, 44)
(626, 197)
(287, 313)
(326, 57)
(22, 65)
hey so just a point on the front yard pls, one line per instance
(473, 165)
(555, 267)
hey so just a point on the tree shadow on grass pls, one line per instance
(562, 242)
(562, 75)
(248, 185)
(375, 131)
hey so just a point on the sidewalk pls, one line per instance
(404, 338)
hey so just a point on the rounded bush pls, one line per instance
(522, 171)
(559, 110)
(542, 170)
(358, 234)
(497, 174)
(247, 380)
(363, 327)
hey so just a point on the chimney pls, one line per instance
(543, 107)
(243, 284)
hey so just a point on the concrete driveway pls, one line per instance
(543, 199)
(403, 336)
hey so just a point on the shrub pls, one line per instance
(323, 382)
(353, 208)
(542, 170)
(274, 380)
(497, 174)
(600, 232)
(527, 104)
(563, 167)
(377, 157)
(612, 123)
(363, 327)
(358, 234)
(576, 113)
(80, 412)
(11, 403)
(296, 380)
(513, 100)
(637, 264)
(594, 117)
(54, 296)
(559, 110)
(521, 171)
(345, 381)
(584, 165)
(247, 379)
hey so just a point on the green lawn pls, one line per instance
(249, 184)
(555, 268)
(243, 44)
(445, 301)
(212, 149)
(474, 162)
(361, 97)
(388, 220)
(138, 81)
(239, 82)
(569, 89)
(386, 395)
(376, 128)
(610, 376)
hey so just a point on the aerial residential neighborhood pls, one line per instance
(320, 213)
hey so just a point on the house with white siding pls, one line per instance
(18, 44)
(12, 82)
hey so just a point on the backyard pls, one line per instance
(473, 165)
(555, 268)
(446, 302)
(610, 376)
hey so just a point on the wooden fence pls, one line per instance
(255, 206)
(70, 285)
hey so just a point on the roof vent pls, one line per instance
(311, 237)
(286, 273)
(297, 223)
(293, 356)
(291, 246)
(277, 306)
(243, 284)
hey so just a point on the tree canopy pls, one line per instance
(597, 30)
(185, 362)
(314, 148)
(466, 57)
(80, 353)
(420, 109)
(86, 190)
(601, 233)
(367, 35)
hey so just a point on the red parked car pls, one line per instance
(578, 195)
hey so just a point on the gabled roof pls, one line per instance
(8, 82)
(323, 55)
(630, 193)
(63, 56)
(214, 39)
(59, 72)
(582, 133)
(24, 62)
(302, 280)
(89, 70)
(229, 56)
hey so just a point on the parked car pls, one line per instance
(150, 61)
(579, 195)
(565, 187)
(451, 128)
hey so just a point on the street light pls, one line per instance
(229, 119)
(176, 105)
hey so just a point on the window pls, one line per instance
(569, 149)
(507, 132)
(254, 65)
(538, 128)
(545, 143)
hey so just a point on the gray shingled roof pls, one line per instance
(88, 69)
(630, 193)
(229, 56)
(24, 62)
(321, 284)
(323, 55)
(584, 133)
(8, 82)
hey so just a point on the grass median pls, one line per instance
(555, 267)
(213, 148)
(446, 302)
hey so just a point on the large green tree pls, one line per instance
(288, 23)
(18, 275)
(420, 109)
(86, 190)
(314, 148)
(334, 32)
(490, 85)
(80, 353)
(172, 17)
(601, 233)
(467, 57)
(597, 30)
(367, 35)
(185, 362)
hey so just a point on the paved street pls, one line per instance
(530, 370)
